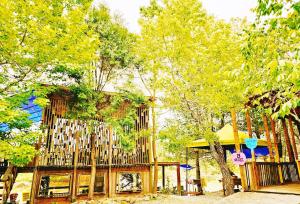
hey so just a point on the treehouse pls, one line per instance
(83, 159)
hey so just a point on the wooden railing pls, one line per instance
(289, 172)
(267, 173)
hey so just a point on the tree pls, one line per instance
(271, 52)
(196, 58)
(37, 39)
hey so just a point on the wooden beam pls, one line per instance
(287, 141)
(266, 126)
(186, 171)
(163, 176)
(238, 149)
(93, 167)
(293, 138)
(74, 178)
(178, 179)
(254, 177)
(277, 156)
(110, 162)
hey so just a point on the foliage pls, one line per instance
(36, 38)
(195, 56)
(271, 52)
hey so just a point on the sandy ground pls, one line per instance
(238, 198)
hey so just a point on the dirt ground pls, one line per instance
(238, 198)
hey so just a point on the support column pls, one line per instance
(238, 148)
(294, 144)
(254, 179)
(35, 181)
(74, 178)
(287, 141)
(163, 177)
(178, 179)
(186, 171)
(266, 126)
(277, 156)
(293, 138)
(110, 163)
(93, 167)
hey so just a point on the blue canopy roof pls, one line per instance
(34, 110)
(259, 151)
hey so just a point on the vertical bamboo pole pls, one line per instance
(266, 126)
(238, 148)
(178, 179)
(93, 167)
(74, 178)
(287, 141)
(254, 183)
(293, 138)
(277, 156)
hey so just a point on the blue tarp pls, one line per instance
(186, 166)
(34, 110)
(259, 151)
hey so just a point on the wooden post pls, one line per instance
(294, 144)
(254, 180)
(186, 172)
(287, 141)
(238, 148)
(74, 178)
(178, 179)
(110, 162)
(35, 182)
(265, 120)
(163, 176)
(293, 138)
(93, 167)
(198, 175)
(277, 156)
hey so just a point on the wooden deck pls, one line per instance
(293, 188)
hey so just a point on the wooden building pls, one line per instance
(84, 159)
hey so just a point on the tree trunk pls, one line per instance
(217, 153)
(198, 175)
(154, 190)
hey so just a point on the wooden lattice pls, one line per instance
(58, 147)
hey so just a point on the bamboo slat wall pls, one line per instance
(58, 147)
